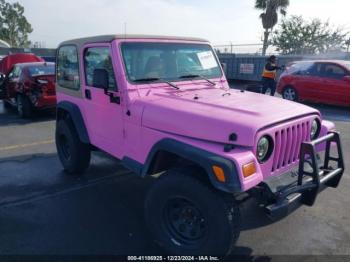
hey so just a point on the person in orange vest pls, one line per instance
(269, 75)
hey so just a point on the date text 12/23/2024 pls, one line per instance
(173, 258)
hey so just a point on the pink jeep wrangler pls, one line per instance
(163, 106)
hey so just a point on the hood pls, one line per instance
(214, 114)
(7, 63)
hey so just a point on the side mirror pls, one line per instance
(347, 78)
(100, 79)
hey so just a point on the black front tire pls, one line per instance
(24, 106)
(7, 105)
(74, 155)
(290, 93)
(188, 217)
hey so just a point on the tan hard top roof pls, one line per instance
(109, 38)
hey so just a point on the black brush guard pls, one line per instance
(309, 183)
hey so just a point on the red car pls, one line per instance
(29, 85)
(325, 81)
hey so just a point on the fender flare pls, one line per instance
(202, 158)
(74, 111)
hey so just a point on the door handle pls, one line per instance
(88, 94)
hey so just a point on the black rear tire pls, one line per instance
(24, 106)
(74, 155)
(188, 217)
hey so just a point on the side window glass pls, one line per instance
(11, 74)
(99, 58)
(68, 67)
(333, 71)
(315, 70)
(304, 68)
(15, 73)
(19, 72)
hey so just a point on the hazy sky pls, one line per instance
(220, 21)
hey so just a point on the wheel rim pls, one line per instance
(184, 221)
(290, 94)
(65, 147)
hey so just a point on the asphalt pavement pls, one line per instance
(45, 211)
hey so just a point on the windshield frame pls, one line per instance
(347, 67)
(163, 81)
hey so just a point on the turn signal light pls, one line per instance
(249, 169)
(219, 173)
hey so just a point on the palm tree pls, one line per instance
(347, 43)
(269, 17)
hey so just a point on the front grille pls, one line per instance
(287, 144)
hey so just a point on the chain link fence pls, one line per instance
(252, 49)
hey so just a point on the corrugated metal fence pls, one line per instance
(250, 67)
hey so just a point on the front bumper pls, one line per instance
(284, 194)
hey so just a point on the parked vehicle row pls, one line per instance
(27, 83)
(164, 107)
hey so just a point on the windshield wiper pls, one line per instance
(156, 79)
(198, 76)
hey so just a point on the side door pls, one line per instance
(307, 81)
(313, 82)
(3, 93)
(346, 88)
(334, 87)
(11, 82)
(102, 107)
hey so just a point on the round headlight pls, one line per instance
(264, 148)
(315, 129)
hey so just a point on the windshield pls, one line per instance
(300, 67)
(41, 70)
(169, 61)
(347, 65)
